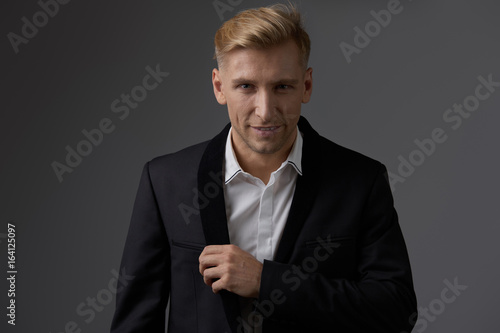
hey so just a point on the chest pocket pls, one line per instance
(332, 257)
(187, 252)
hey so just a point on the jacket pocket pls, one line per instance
(189, 245)
(330, 242)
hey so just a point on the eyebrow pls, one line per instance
(242, 80)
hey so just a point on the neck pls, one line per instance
(262, 165)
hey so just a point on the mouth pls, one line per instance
(267, 128)
(266, 131)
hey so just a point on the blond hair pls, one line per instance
(262, 28)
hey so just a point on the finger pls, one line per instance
(211, 275)
(213, 249)
(208, 282)
(208, 261)
(204, 258)
(217, 286)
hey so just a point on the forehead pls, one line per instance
(279, 60)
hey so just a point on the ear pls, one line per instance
(308, 84)
(217, 83)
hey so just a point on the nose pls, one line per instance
(265, 105)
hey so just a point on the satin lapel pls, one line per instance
(304, 195)
(213, 210)
(210, 191)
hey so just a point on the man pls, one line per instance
(268, 227)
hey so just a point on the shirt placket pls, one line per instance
(265, 224)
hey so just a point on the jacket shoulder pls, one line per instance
(346, 158)
(327, 156)
(184, 160)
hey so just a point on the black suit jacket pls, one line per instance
(341, 265)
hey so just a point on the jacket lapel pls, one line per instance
(304, 195)
(213, 210)
(210, 184)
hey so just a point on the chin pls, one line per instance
(266, 150)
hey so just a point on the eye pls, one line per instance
(283, 86)
(245, 86)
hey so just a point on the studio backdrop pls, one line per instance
(92, 90)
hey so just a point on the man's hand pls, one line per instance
(229, 267)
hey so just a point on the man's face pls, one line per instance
(263, 90)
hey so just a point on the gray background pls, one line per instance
(70, 234)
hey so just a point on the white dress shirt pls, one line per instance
(257, 212)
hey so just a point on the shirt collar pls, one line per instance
(232, 167)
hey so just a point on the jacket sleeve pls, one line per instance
(381, 298)
(142, 301)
